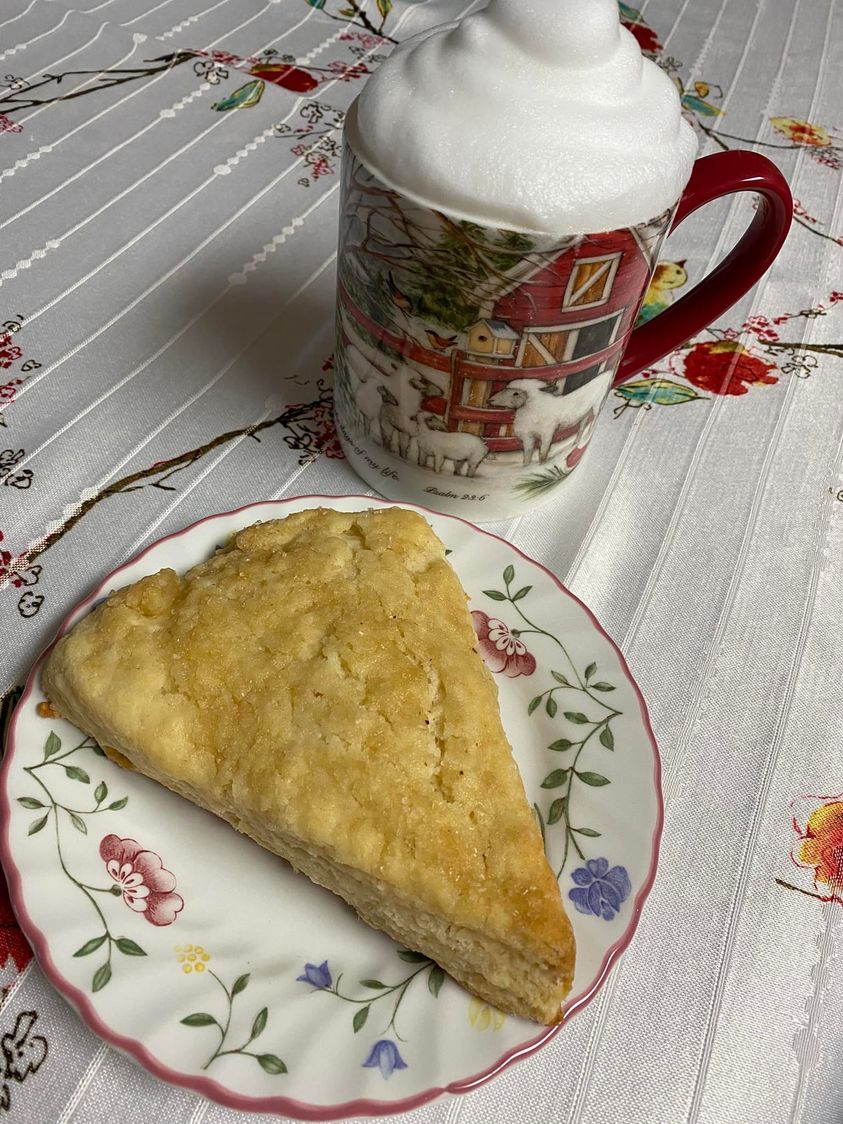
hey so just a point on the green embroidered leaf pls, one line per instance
(384, 7)
(596, 780)
(360, 1018)
(560, 745)
(602, 687)
(556, 778)
(240, 984)
(36, 825)
(376, 985)
(576, 717)
(661, 391)
(260, 1022)
(557, 810)
(199, 1018)
(522, 592)
(316, 3)
(30, 802)
(101, 977)
(90, 946)
(77, 774)
(607, 738)
(560, 678)
(590, 832)
(349, 13)
(128, 947)
(271, 1064)
(118, 804)
(100, 792)
(590, 670)
(412, 957)
(533, 704)
(435, 980)
(78, 823)
(52, 745)
(495, 596)
(551, 706)
(508, 575)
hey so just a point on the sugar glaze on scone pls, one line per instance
(316, 684)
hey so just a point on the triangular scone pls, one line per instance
(316, 683)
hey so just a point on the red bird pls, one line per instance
(441, 343)
(398, 298)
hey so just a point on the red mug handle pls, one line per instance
(714, 176)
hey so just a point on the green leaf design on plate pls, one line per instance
(590, 832)
(533, 704)
(77, 774)
(78, 823)
(36, 825)
(98, 750)
(118, 805)
(495, 596)
(596, 780)
(101, 977)
(100, 792)
(508, 575)
(551, 706)
(199, 1018)
(411, 957)
(128, 947)
(560, 745)
(90, 946)
(577, 717)
(602, 687)
(607, 738)
(240, 984)
(375, 985)
(555, 779)
(52, 745)
(259, 1023)
(557, 810)
(359, 1019)
(271, 1064)
(590, 670)
(560, 678)
(521, 592)
(435, 980)
(29, 802)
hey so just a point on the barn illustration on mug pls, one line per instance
(467, 348)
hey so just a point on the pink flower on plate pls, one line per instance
(501, 649)
(146, 886)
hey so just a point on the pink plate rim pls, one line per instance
(206, 1086)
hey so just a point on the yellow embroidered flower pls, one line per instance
(801, 132)
(821, 847)
(483, 1016)
(192, 957)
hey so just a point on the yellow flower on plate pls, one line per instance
(801, 132)
(483, 1016)
(192, 957)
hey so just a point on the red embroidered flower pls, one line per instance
(146, 886)
(820, 846)
(500, 648)
(282, 74)
(801, 132)
(726, 367)
(646, 37)
(7, 125)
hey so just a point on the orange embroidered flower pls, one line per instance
(801, 132)
(820, 846)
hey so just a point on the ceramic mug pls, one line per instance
(472, 361)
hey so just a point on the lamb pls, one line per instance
(394, 423)
(541, 409)
(435, 440)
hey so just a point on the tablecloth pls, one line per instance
(168, 192)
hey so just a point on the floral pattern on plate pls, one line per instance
(272, 974)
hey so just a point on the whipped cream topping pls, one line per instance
(538, 115)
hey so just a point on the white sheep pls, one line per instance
(541, 408)
(435, 440)
(395, 426)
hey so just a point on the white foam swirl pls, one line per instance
(534, 114)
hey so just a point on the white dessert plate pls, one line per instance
(215, 966)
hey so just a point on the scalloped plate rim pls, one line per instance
(206, 1086)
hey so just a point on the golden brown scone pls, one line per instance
(316, 683)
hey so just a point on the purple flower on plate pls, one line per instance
(385, 1056)
(317, 975)
(598, 889)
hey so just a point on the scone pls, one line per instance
(316, 684)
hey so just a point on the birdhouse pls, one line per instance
(492, 337)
